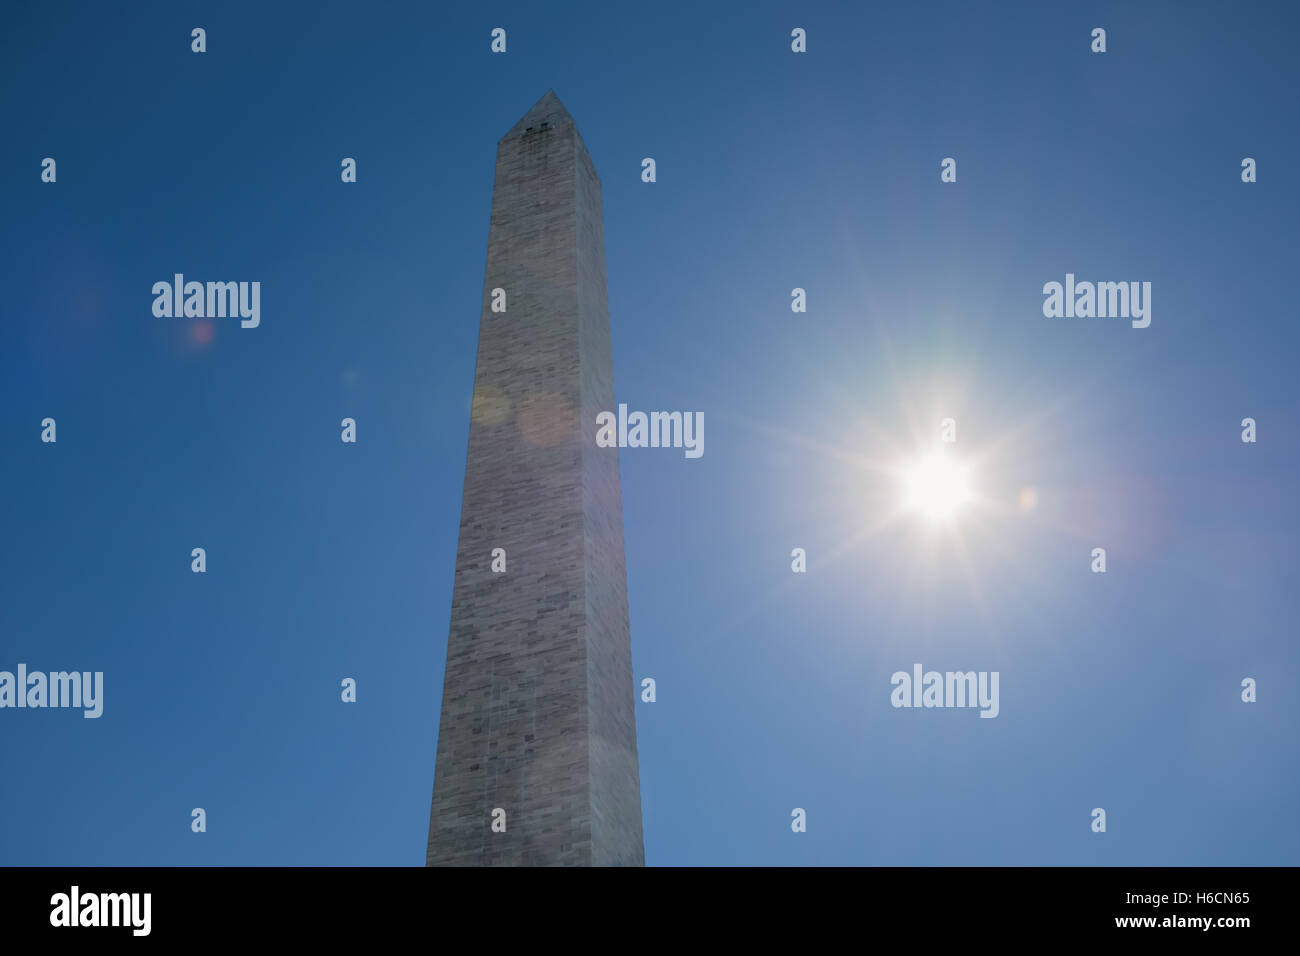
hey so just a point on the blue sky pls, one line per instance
(775, 171)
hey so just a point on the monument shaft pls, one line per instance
(538, 728)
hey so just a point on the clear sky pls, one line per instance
(775, 170)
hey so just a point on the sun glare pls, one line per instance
(937, 487)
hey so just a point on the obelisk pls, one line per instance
(536, 761)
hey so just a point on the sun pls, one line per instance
(937, 487)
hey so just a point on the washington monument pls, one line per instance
(536, 761)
